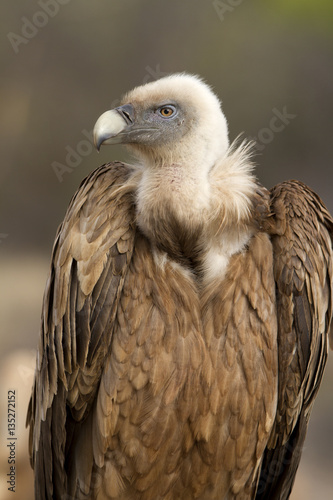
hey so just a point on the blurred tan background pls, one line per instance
(64, 62)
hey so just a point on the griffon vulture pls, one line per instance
(185, 319)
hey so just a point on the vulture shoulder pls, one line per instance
(301, 232)
(90, 257)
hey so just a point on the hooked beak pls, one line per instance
(113, 126)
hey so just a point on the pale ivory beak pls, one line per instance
(108, 127)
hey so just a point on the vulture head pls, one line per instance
(176, 119)
(187, 172)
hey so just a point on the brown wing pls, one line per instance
(90, 258)
(301, 233)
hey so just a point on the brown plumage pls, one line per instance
(185, 318)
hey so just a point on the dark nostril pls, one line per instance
(127, 112)
(127, 116)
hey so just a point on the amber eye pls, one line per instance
(167, 111)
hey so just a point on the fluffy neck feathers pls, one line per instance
(189, 206)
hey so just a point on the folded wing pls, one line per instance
(301, 232)
(90, 258)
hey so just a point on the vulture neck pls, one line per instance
(181, 189)
(186, 209)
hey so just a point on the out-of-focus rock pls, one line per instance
(16, 375)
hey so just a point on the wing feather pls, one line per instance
(91, 254)
(301, 232)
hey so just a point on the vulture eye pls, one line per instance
(167, 111)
